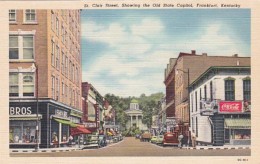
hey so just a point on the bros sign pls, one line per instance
(20, 111)
(230, 107)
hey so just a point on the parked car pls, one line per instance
(93, 141)
(170, 139)
(146, 137)
(153, 139)
(102, 140)
(159, 140)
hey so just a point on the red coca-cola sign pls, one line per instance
(230, 106)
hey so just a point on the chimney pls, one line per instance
(235, 55)
(193, 52)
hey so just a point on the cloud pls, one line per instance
(148, 27)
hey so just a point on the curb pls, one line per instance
(217, 148)
(43, 151)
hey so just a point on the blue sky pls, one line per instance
(125, 52)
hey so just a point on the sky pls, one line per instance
(125, 52)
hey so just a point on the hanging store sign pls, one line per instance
(61, 113)
(90, 124)
(230, 107)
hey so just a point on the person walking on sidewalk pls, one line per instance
(193, 140)
(180, 137)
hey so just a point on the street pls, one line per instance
(133, 147)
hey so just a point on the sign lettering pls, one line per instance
(20, 111)
(230, 107)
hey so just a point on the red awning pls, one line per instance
(79, 130)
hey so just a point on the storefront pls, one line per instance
(54, 123)
(238, 131)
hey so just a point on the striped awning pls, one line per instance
(238, 123)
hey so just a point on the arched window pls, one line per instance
(28, 84)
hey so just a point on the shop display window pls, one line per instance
(241, 134)
(22, 132)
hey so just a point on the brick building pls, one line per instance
(185, 69)
(45, 76)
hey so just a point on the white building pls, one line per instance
(220, 101)
(135, 116)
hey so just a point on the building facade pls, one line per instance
(45, 76)
(221, 106)
(135, 116)
(187, 68)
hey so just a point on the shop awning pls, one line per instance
(79, 130)
(238, 123)
(65, 122)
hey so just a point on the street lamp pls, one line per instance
(188, 73)
(35, 68)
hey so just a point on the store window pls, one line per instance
(230, 89)
(30, 15)
(241, 134)
(247, 90)
(24, 50)
(12, 15)
(22, 132)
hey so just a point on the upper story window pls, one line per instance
(12, 15)
(229, 89)
(211, 91)
(21, 47)
(247, 89)
(57, 26)
(205, 92)
(30, 15)
(52, 21)
(13, 85)
(21, 84)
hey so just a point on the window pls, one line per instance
(66, 66)
(13, 85)
(62, 62)
(57, 89)
(196, 101)
(63, 33)
(28, 84)
(247, 90)
(192, 124)
(21, 47)
(12, 15)
(28, 47)
(200, 99)
(205, 92)
(30, 15)
(57, 26)
(52, 53)
(13, 47)
(23, 86)
(53, 87)
(211, 91)
(191, 104)
(57, 57)
(196, 126)
(229, 89)
(52, 21)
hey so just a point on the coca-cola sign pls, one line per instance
(230, 106)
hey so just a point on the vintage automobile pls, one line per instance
(146, 137)
(92, 142)
(159, 140)
(153, 139)
(102, 140)
(170, 138)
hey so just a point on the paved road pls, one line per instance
(133, 147)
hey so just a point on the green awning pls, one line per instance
(238, 123)
(71, 124)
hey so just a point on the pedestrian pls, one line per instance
(70, 140)
(180, 137)
(193, 140)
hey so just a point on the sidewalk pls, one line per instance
(210, 147)
(61, 149)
